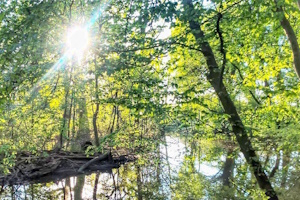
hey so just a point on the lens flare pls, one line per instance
(77, 40)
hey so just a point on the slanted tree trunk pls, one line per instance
(289, 31)
(114, 114)
(237, 125)
(113, 118)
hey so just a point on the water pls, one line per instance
(178, 169)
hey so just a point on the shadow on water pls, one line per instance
(180, 168)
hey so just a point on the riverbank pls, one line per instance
(58, 165)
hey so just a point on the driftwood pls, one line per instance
(53, 166)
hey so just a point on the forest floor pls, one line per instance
(57, 165)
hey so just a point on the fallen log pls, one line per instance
(62, 156)
(97, 159)
(54, 166)
(45, 170)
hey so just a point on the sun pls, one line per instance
(77, 40)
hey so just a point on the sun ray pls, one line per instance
(63, 60)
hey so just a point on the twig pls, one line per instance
(242, 77)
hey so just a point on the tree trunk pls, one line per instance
(113, 120)
(69, 119)
(228, 168)
(237, 125)
(158, 167)
(63, 124)
(96, 186)
(79, 187)
(139, 183)
(96, 112)
(118, 117)
(63, 128)
(83, 133)
(67, 189)
(73, 124)
(71, 107)
(66, 116)
(114, 115)
(292, 38)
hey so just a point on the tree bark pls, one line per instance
(237, 125)
(292, 38)
(96, 111)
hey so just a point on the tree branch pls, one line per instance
(241, 76)
(99, 158)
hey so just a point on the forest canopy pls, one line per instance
(121, 73)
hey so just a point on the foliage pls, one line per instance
(133, 82)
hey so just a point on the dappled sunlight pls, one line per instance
(149, 99)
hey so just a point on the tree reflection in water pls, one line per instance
(177, 169)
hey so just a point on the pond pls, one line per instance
(180, 168)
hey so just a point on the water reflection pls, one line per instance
(179, 169)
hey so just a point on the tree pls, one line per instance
(214, 76)
(225, 69)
